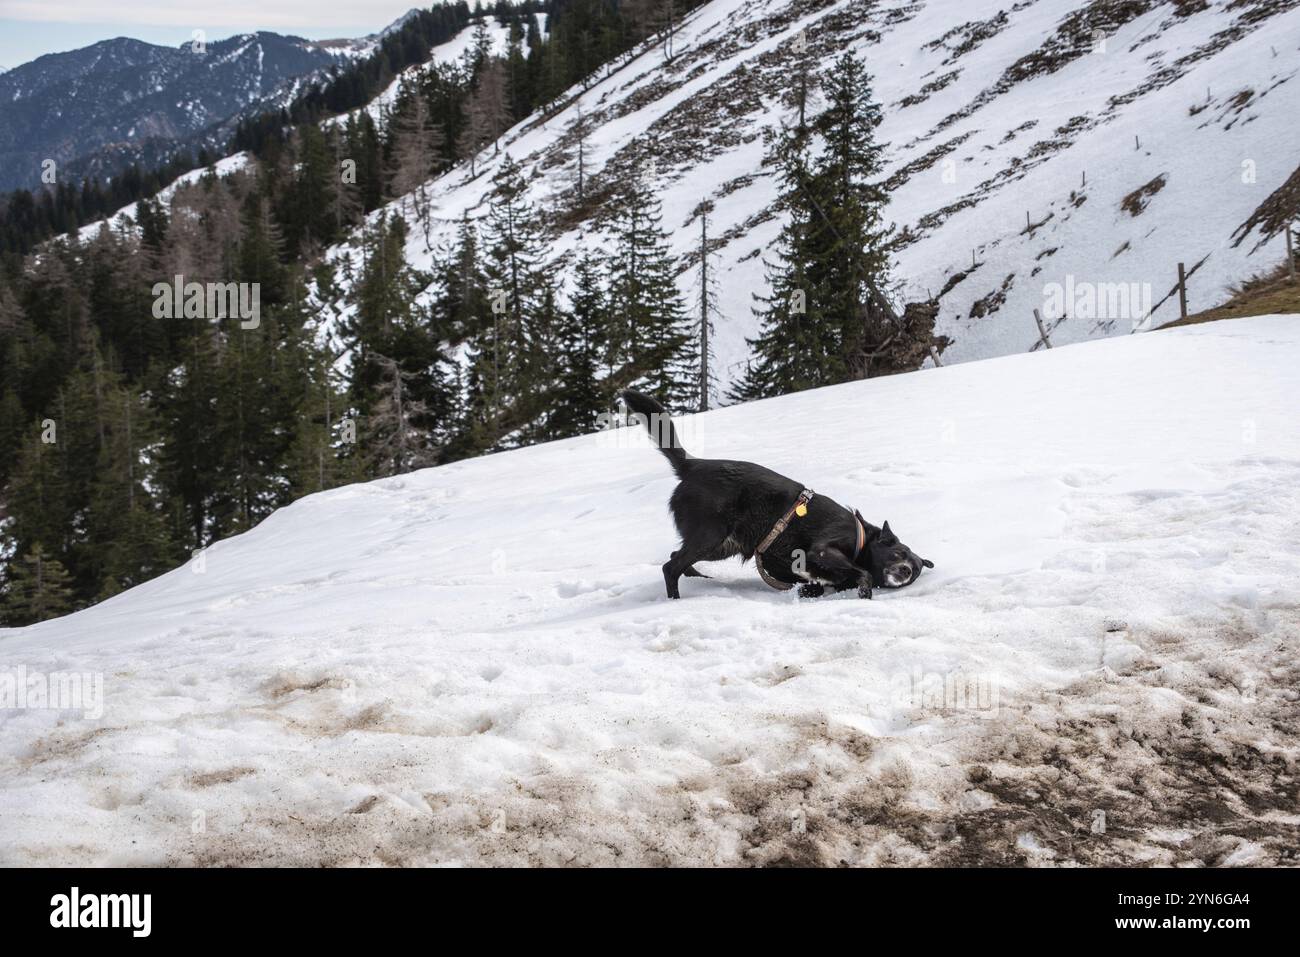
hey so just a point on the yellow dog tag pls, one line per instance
(801, 509)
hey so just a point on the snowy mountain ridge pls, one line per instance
(1030, 145)
(95, 110)
(476, 663)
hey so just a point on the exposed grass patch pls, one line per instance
(1261, 296)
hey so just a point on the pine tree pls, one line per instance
(38, 588)
(14, 329)
(347, 206)
(824, 319)
(480, 47)
(129, 538)
(518, 91)
(401, 384)
(793, 349)
(40, 497)
(191, 459)
(503, 384)
(516, 279)
(307, 209)
(11, 311)
(651, 340)
(365, 146)
(580, 346)
(315, 462)
(852, 243)
(462, 306)
(260, 252)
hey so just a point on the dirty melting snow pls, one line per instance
(476, 664)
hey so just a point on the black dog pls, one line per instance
(724, 508)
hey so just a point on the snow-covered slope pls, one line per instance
(1015, 132)
(450, 52)
(476, 663)
(125, 218)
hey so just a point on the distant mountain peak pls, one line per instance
(400, 22)
(99, 108)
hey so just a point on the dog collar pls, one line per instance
(799, 509)
(862, 537)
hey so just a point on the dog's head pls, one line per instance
(891, 563)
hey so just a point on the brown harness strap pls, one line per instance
(800, 507)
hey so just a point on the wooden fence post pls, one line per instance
(1182, 292)
(1042, 330)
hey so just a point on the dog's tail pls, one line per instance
(660, 426)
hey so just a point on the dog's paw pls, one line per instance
(864, 590)
(811, 590)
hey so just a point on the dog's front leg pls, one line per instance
(828, 562)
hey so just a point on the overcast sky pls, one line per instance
(30, 28)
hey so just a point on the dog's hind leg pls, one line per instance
(690, 572)
(701, 543)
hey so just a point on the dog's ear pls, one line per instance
(886, 535)
(872, 533)
(927, 563)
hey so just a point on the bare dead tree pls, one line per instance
(390, 419)
(487, 114)
(708, 304)
(417, 143)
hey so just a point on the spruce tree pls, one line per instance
(307, 209)
(366, 147)
(581, 347)
(793, 350)
(190, 458)
(516, 285)
(462, 304)
(129, 538)
(652, 344)
(40, 497)
(518, 91)
(824, 316)
(38, 588)
(401, 382)
(852, 242)
(347, 205)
